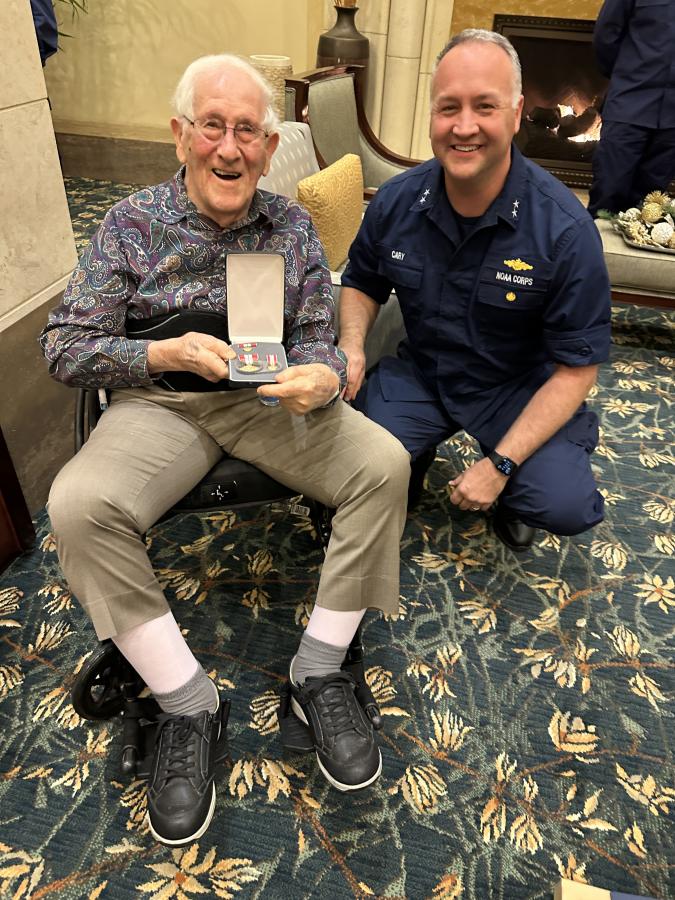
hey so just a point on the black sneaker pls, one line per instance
(343, 735)
(181, 786)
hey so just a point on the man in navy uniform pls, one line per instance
(633, 42)
(504, 292)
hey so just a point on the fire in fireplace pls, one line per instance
(563, 93)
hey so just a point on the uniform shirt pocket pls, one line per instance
(401, 267)
(502, 309)
(508, 324)
(652, 13)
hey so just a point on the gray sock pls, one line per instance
(315, 658)
(191, 698)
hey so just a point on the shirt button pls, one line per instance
(585, 351)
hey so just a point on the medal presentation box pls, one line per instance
(574, 890)
(255, 316)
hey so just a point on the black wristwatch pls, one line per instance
(503, 464)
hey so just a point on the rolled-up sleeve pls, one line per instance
(361, 271)
(577, 321)
(311, 313)
(84, 340)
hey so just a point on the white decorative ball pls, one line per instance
(661, 233)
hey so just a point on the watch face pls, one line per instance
(505, 466)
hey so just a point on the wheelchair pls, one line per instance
(108, 686)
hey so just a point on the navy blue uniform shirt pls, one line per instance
(46, 29)
(489, 315)
(634, 43)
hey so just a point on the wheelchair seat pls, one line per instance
(231, 482)
(107, 686)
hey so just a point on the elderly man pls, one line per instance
(165, 249)
(504, 292)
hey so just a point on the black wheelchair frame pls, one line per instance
(108, 686)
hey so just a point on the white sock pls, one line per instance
(159, 653)
(333, 626)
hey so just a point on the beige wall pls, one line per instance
(116, 74)
(37, 254)
(479, 13)
(37, 249)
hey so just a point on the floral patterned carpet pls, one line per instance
(528, 700)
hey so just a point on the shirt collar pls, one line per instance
(174, 205)
(431, 185)
(506, 205)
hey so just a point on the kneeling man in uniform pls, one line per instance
(502, 283)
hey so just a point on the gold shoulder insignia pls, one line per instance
(518, 265)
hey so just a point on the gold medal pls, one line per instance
(249, 363)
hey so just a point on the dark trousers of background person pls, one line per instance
(628, 163)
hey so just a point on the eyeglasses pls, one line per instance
(214, 131)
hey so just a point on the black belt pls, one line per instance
(175, 324)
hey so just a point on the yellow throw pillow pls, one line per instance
(334, 199)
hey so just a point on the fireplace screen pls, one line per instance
(563, 93)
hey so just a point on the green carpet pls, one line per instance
(528, 700)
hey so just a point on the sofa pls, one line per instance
(646, 277)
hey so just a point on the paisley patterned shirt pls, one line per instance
(154, 253)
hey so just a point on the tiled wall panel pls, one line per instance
(35, 230)
(22, 79)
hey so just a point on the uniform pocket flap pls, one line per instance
(400, 266)
(509, 298)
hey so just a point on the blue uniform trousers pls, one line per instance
(554, 489)
(628, 163)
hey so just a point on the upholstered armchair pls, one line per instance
(331, 101)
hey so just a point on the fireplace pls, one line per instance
(563, 93)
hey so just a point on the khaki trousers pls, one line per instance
(152, 446)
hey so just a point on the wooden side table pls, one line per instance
(16, 527)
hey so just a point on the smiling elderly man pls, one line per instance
(162, 250)
(501, 279)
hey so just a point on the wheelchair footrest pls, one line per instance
(223, 747)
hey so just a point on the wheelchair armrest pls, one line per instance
(87, 414)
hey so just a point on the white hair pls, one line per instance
(184, 95)
(482, 35)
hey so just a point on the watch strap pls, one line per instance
(503, 464)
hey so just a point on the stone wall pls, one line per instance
(37, 254)
(479, 13)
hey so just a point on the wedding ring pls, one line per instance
(475, 508)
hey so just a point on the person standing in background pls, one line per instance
(46, 29)
(633, 42)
